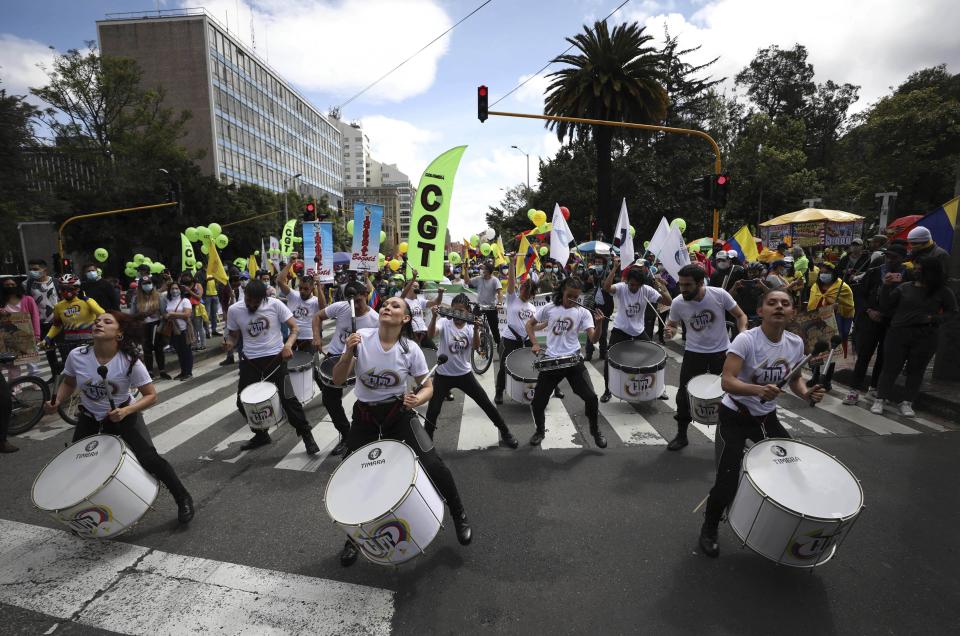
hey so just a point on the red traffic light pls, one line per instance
(482, 91)
(311, 208)
(722, 179)
(482, 103)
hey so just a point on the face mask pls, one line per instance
(92, 276)
(147, 288)
(548, 271)
(723, 264)
(69, 295)
(174, 293)
(243, 283)
(826, 278)
(35, 274)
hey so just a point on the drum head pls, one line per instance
(370, 482)
(705, 387)
(803, 479)
(258, 392)
(637, 356)
(77, 472)
(301, 360)
(520, 365)
(326, 367)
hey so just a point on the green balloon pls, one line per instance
(350, 227)
(156, 268)
(204, 249)
(633, 231)
(680, 224)
(130, 272)
(100, 254)
(131, 265)
(241, 263)
(646, 244)
(256, 253)
(474, 241)
(137, 259)
(203, 233)
(221, 241)
(383, 236)
(214, 229)
(485, 249)
(191, 234)
(544, 250)
(146, 260)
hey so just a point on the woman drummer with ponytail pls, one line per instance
(386, 359)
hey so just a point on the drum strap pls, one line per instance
(760, 419)
(379, 413)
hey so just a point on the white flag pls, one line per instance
(622, 239)
(675, 254)
(658, 242)
(560, 238)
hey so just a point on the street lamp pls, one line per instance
(528, 165)
(286, 214)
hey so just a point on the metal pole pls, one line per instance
(92, 215)
(885, 206)
(528, 173)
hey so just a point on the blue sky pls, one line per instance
(331, 49)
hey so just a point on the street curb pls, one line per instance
(938, 404)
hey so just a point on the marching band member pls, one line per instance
(303, 304)
(116, 346)
(418, 305)
(757, 360)
(456, 338)
(386, 358)
(357, 293)
(513, 334)
(702, 309)
(564, 320)
(631, 299)
(265, 356)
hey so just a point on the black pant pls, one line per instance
(602, 343)
(509, 345)
(870, 336)
(184, 352)
(331, 397)
(153, 344)
(64, 348)
(910, 346)
(442, 384)
(732, 435)
(616, 335)
(133, 432)
(493, 319)
(579, 381)
(6, 408)
(693, 365)
(273, 369)
(51, 353)
(392, 421)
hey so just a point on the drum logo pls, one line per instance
(89, 447)
(530, 392)
(634, 309)
(376, 452)
(257, 326)
(97, 390)
(771, 373)
(562, 326)
(301, 312)
(372, 456)
(90, 519)
(706, 411)
(637, 384)
(811, 545)
(262, 414)
(392, 536)
(701, 320)
(781, 454)
(385, 380)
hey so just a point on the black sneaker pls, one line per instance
(185, 509)
(227, 362)
(349, 554)
(708, 541)
(598, 437)
(309, 443)
(606, 396)
(507, 439)
(165, 376)
(260, 438)
(677, 443)
(557, 393)
(462, 525)
(340, 448)
(184, 377)
(498, 398)
(537, 438)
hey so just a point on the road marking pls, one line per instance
(182, 432)
(191, 397)
(326, 437)
(561, 431)
(810, 424)
(925, 422)
(96, 583)
(476, 429)
(863, 417)
(709, 431)
(632, 428)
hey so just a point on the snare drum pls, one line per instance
(552, 363)
(300, 368)
(96, 487)
(326, 373)
(795, 503)
(637, 370)
(383, 499)
(705, 397)
(261, 403)
(521, 375)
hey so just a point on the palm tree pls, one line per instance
(615, 76)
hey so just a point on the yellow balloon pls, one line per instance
(395, 264)
(403, 247)
(539, 217)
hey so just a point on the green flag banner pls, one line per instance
(286, 239)
(187, 257)
(431, 210)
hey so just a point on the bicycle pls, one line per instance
(28, 394)
(482, 357)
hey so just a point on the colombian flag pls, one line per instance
(527, 258)
(743, 243)
(941, 223)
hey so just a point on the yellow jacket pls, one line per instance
(831, 295)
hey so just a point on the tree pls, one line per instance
(615, 76)
(509, 216)
(779, 81)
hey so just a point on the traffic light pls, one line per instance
(310, 211)
(66, 266)
(482, 103)
(721, 188)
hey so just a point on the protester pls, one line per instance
(922, 246)
(177, 315)
(42, 288)
(105, 294)
(831, 290)
(146, 306)
(15, 300)
(231, 293)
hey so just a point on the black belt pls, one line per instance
(931, 325)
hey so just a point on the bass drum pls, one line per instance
(637, 370)
(521, 375)
(326, 373)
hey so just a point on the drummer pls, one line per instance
(757, 360)
(456, 338)
(265, 355)
(630, 299)
(116, 347)
(387, 358)
(702, 310)
(418, 308)
(564, 320)
(513, 333)
(303, 304)
(358, 293)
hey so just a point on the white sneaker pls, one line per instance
(906, 409)
(852, 398)
(877, 406)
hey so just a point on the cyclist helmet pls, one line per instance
(69, 280)
(756, 265)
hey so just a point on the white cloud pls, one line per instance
(18, 64)
(534, 91)
(871, 43)
(340, 48)
(400, 142)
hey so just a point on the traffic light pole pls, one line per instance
(718, 166)
(93, 215)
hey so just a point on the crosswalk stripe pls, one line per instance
(631, 427)
(476, 429)
(806, 422)
(326, 437)
(190, 397)
(709, 431)
(863, 417)
(182, 432)
(561, 431)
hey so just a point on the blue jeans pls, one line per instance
(212, 305)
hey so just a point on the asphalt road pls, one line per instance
(568, 539)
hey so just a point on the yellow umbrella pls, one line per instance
(812, 215)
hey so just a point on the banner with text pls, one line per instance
(275, 252)
(431, 210)
(367, 221)
(318, 250)
(287, 238)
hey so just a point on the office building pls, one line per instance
(356, 155)
(388, 175)
(250, 124)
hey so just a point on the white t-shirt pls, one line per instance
(456, 344)
(82, 365)
(417, 306)
(179, 305)
(384, 374)
(261, 329)
(631, 308)
(303, 312)
(340, 312)
(705, 319)
(764, 362)
(486, 289)
(518, 313)
(564, 327)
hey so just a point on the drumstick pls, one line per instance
(442, 358)
(102, 372)
(820, 347)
